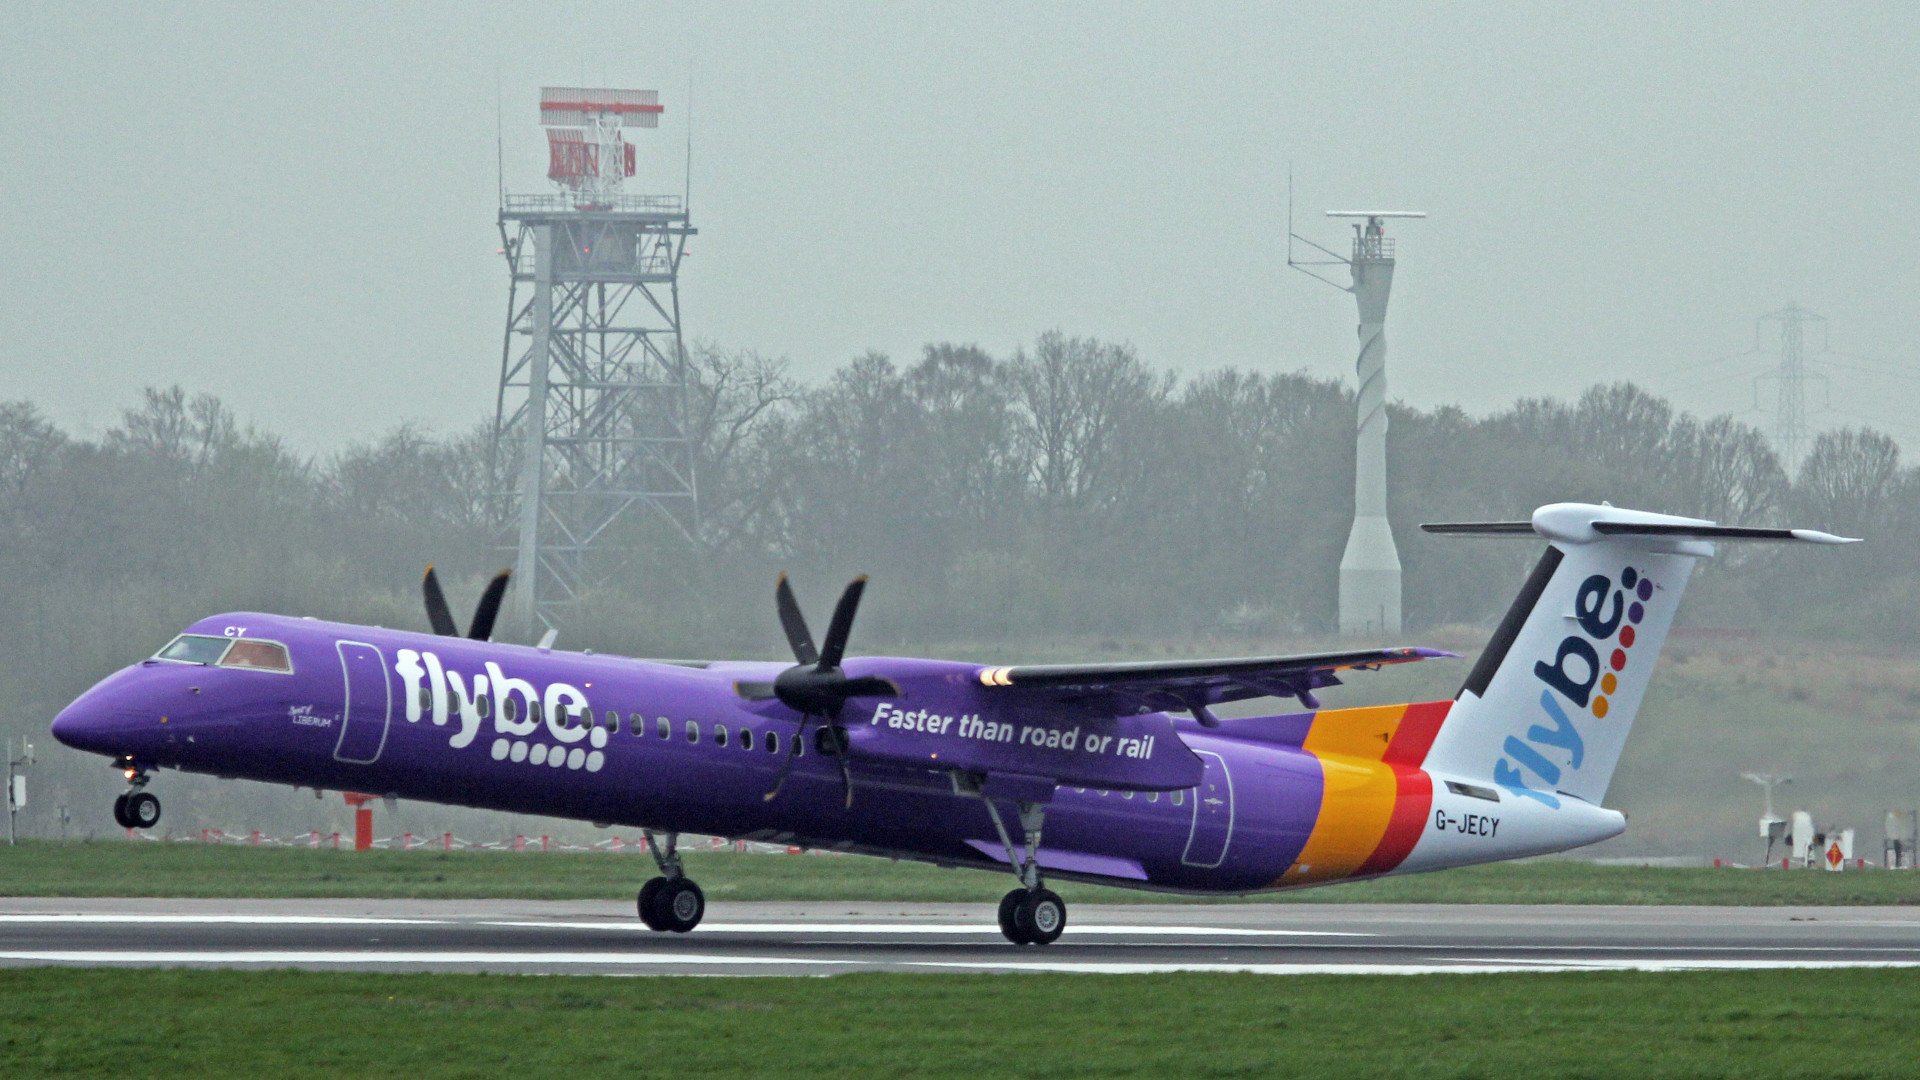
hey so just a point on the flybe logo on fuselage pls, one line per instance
(1578, 683)
(517, 708)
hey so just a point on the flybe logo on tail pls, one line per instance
(1576, 684)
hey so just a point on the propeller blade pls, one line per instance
(794, 623)
(793, 751)
(485, 612)
(438, 616)
(842, 624)
(846, 778)
(754, 691)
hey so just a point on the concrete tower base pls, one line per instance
(1370, 581)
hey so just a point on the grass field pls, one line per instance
(118, 868)
(63, 1022)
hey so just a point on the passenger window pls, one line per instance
(1126, 794)
(1179, 798)
(194, 649)
(510, 709)
(773, 742)
(1153, 796)
(746, 738)
(664, 727)
(613, 721)
(533, 712)
(719, 734)
(483, 706)
(426, 699)
(693, 731)
(636, 724)
(259, 655)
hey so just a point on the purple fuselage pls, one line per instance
(1150, 801)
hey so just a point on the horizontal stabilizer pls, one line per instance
(1480, 528)
(1719, 532)
(1584, 523)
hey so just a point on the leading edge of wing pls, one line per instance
(1176, 671)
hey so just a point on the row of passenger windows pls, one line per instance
(635, 724)
(1177, 798)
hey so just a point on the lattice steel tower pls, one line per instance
(590, 427)
(1790, 434)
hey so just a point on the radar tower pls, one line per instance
(590, 428)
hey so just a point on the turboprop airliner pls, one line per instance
(1121, 774)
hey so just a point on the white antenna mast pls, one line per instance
(1370, 568)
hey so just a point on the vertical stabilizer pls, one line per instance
(1546, 710)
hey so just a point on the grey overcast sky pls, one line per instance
(293, 207)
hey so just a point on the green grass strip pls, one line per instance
(119, 868)
(65, 1022)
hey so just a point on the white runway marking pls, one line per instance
(986, 929)
(1471, 967)
(256, 920)
(292, 957)
(285, 957)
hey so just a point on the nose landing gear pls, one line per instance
(670, 902)
(137, 809)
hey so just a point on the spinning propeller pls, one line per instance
(484, 613)
(815, 687)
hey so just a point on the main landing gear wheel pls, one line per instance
(1040, 916)
(647, 894)
(1008, 905)
(670, 902)
(141, 810)
(1032, 916)
(120, 812)
(677, 905)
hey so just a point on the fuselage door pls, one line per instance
(367, 704)
(1212, 814)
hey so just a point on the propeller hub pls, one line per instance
(804, 688)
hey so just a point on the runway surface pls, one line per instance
(590, 937)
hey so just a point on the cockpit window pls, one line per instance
(261, 655)
(195, 649)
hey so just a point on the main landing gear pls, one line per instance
(137, 809)
(1031, 914)
(671, 901)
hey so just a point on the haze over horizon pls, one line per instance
(294, 209)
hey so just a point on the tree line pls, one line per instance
(1067, 490)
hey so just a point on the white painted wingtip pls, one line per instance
(1815, 536)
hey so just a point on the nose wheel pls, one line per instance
(137, 810)
(670, 902)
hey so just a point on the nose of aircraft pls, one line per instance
(98, 720)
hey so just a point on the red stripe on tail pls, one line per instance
(1413, 788)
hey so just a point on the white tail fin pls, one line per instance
(1546, 710)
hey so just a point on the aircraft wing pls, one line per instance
(1118, 689)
